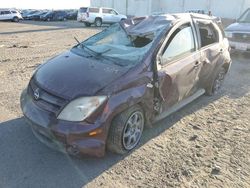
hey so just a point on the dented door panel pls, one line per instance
(179, 79)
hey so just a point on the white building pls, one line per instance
(221, 8)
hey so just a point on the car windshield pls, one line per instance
(245, 18)
(114, 43)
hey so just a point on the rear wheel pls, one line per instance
(98, 22)
(217, 82)
(15, 19)
(126, 130)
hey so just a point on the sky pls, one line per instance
(44, 4)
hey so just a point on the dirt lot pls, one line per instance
(206, 144)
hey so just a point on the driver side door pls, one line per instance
(179, 66)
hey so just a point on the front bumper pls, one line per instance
(239, 46)
(74, 138)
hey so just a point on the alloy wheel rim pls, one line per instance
(133, 130)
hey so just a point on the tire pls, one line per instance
(126, 130)
(217, 82)
(98, 22)
(15, 19)
(87, 24)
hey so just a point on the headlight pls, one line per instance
(229, 34)
(79, 109)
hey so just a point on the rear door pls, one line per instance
(211, 47)
(178, 65)
(6, 14)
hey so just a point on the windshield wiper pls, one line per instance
(84, 46)
(98, 53)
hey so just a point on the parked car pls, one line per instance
(98, 16)
(72, 15)
(28, 13)
(10, 15)
(105, 90)
(54, 16)
(239, 33)
(36, 16)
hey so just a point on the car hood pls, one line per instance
(242, 27)
(70, 76)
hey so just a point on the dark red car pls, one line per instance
(104, 91)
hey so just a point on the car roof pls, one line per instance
(142, 26)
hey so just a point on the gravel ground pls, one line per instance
(206, 144)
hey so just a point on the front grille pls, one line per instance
(44, 99)
(241, 37)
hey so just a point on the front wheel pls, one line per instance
(217, 82)
(126, 130)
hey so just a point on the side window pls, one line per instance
(106, 11)
(94, 10)
(180, 43)
(113, 12)
(14, 12)
(209, 35)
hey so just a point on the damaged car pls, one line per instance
(106, 90)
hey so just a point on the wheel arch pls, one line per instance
(98, 18)
(126, 99)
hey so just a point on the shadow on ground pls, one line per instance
(25, 162)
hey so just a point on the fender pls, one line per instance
(141, 95)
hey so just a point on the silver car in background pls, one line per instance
(10, 14)
(98, 16)
(238, 33)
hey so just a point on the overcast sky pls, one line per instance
(44, 4)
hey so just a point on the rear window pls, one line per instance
(94, 10)
(82, 10)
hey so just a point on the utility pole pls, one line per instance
(243, 2)
(126, 7)
(183, 5)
